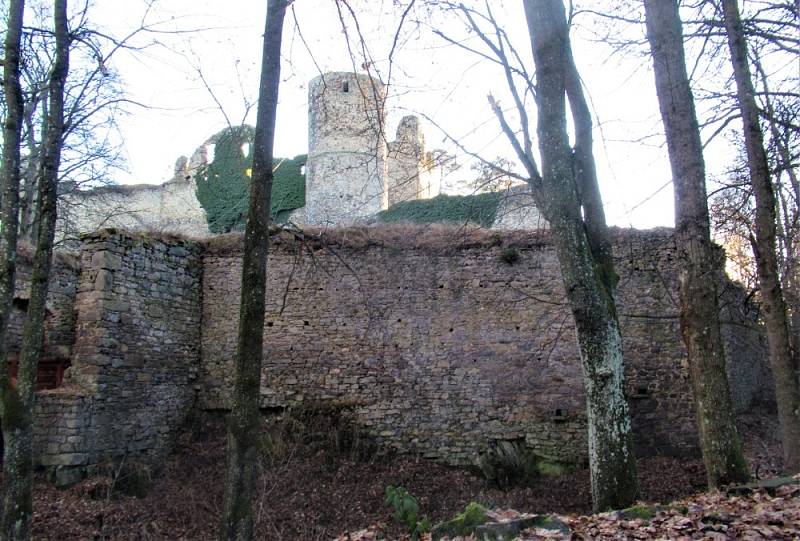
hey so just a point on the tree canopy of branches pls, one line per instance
(784, 366)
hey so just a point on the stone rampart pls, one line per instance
(171, 207)
(439, 341)
(443, 350)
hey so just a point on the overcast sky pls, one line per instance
(429, 77)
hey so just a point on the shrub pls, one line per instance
(406, 511)
(510, 256)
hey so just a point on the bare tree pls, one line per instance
(13, 507)
(784, 367)
(18, 421)
(566, 192)
(245, 421)
(719, 440)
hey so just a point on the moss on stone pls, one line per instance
(462, 524)
(639, 511)
(550, 468)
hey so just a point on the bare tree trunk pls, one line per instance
(244, 423)
(719, 441)
(12, 131)
(18, 424)
(27, 203)
(784, 369)
(588, 281)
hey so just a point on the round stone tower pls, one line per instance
(346, 167)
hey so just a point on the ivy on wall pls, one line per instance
(479, 209)
(223, 185)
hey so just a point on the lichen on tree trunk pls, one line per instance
(568, 196)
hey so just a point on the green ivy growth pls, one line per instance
(479, 209)
(223, 186)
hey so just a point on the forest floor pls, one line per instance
(319, 481)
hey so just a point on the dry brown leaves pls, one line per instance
(712, 516)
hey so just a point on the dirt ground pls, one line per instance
(318, 480)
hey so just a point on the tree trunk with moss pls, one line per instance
(584, 255)
(719, 440)
(9, 191)
(784, 367)
(18, 413)
(244, 423)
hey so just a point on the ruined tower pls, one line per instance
(346, 167)
(408, 165)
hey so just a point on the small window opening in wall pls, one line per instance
(558, 416)
(269, 324)
(306, 323)
(346, 86)
(641, 392)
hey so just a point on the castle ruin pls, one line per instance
(352, 173)
(434, 339)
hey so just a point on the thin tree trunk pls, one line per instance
(27, 203)
(787, 383)
(12, 130)
(719, 441)
(586, 176)
(588, 287)
(244, 425)
(18, 424)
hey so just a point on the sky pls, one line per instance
(203, 66)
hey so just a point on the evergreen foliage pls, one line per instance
(479, 209)
(223, 186)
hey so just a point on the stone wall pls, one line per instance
(60, 314)
(440, 341)
(518, 210)
(171, 207)
(407, 164)
(136, 353)
(444, 345)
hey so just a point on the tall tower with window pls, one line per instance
(346, 167)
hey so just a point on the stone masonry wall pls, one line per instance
(444, 347)
(136, 352)
(170, 207)
(60, 315)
